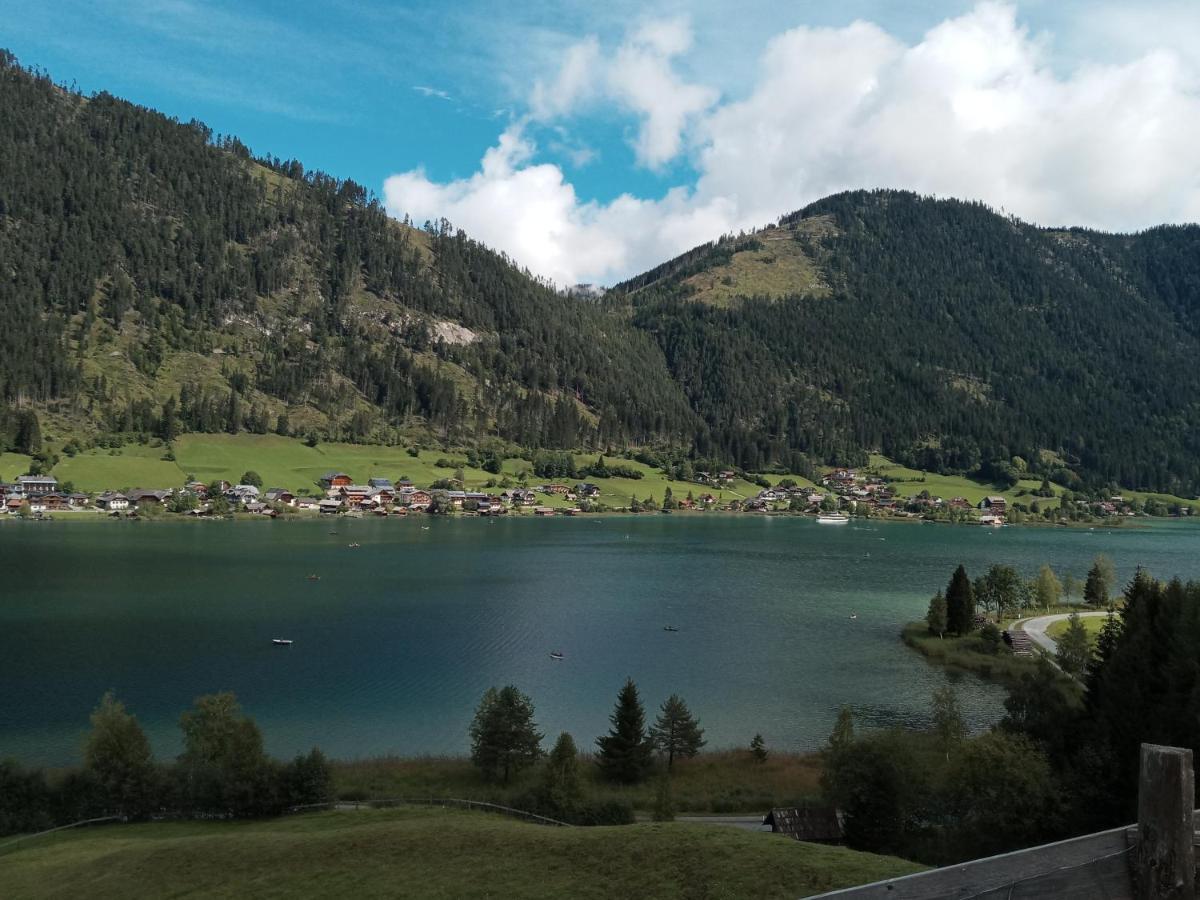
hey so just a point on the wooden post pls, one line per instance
(1165, 861)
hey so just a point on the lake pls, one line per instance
(400, 636)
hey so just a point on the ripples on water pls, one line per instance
(395, 643)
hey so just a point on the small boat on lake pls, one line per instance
(558, 655)
(354, 545)
(314, 577)
(670, 628)
(832, 519)
(281, 642)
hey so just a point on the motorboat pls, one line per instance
(281, 642)
(670, 628)
(832, 519)
(558, 654)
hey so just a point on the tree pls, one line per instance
(999, 589)
(948, 723)
(1099, 581)
(758, 748)
(1070, 586)
(936, 617)
(504, 737)
(960, 603)
(560, 777)
(282, 425)
(1074, 648)
(1048, 587)
(676, 731)
(223, 765)
(117, 754)
(309, 779)
(626, 752)
(252, 478)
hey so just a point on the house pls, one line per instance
(32, 485)
(380, 483)
(78, 501)
(555, 489)
(199, 488)
(960, 503)
(55, 500)
(13, 504)
(813, 824)
(242, 493)
(586, 491)
(260, 509)
(306, 503)
(329, 507)
(140, 497)
(997, 505)
(335, 480)
(280, 495)
(356, 495)
(415, 498)
(544, 511)
(112, 501)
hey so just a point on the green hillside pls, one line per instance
(430, 853)
(163, 281)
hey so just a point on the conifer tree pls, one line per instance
(560, 777)
(676, 732)
(758, 748)
(504, 737)
(960, 603)
(626, 752)
(1074, 648)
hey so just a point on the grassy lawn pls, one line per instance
(720, 782)
(12, 465)
(1091, 624)
(132, 466)
(430, 853)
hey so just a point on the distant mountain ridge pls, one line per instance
(155, 279)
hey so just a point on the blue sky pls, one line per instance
(642, 152)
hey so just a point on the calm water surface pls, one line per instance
(395, 643)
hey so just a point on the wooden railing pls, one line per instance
(1152, 860)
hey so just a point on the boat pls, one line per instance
(558, 654)
(354, 545)
(282, 642)
(670, 628)
(314, 577)
(832, 519)
(853, 616)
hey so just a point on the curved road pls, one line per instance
(1036, 628)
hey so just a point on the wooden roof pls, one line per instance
(806, 823)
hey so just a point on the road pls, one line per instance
(747, 823)
(1036, 628)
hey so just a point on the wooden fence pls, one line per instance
(1152, 860)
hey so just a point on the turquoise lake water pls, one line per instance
(398, 639)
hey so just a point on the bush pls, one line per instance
(605, 812)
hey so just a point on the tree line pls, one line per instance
(223, 772)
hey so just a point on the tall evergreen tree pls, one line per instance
(1095, 589)
(504, 737)
(626, 752)
(561, 786)
(960, 603)
(676, 732)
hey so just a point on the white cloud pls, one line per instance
(973, 109)
(426, 91)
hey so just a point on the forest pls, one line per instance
(159, 279)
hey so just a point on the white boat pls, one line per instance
(283, 642)
(558, 654)
(832, 519)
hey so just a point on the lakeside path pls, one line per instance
(1036, 628)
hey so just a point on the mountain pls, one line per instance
(156, 278)
(943, 334)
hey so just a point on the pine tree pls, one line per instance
(1099, 580)
(504, 737)
(758, 748)
(625, 752)
(1074, 648)
(936, 617)
(960, 603)
(676, 731)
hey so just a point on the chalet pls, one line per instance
(242, 493)
(280, 495)
(519, 497)
(37, 503)
(586, 491)
(55, 500)
(997, 505)
(380, 483)
(356, 495)
(13, 504)
(260, 509)
(140, 497)
(199, 488)
(306, 503)
(32, 485)
(78, 501)
(707, 499)
(415, 498)
(727, 475)
(812, 824)
(404, 483)
(329, 507)
(991, 519)
(960, 503)
(113, 501)
(383, 496)
(335, 480)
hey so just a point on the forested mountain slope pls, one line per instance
(944, 334)
(155, 279)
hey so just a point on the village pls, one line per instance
(843, 491)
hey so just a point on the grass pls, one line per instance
(431, 853)
(12, 465)
(781, 268)
(718, 782)
(1091, 624)
(968, 654)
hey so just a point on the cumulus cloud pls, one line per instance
(973, 109)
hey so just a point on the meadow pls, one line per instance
(432, 853)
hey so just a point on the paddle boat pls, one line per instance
(281, 642)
